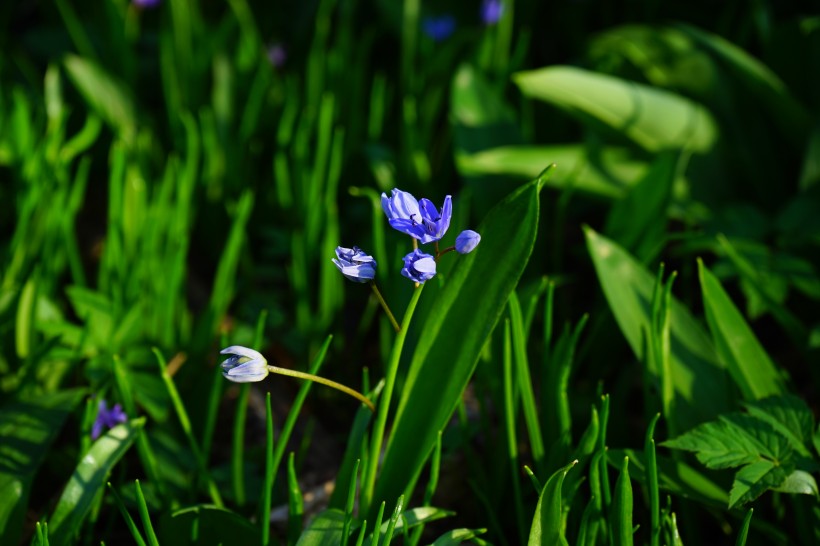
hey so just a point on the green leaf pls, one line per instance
(206, 525)
(108, 97)
(89, 476)
(753, 480)
(799, 482)
(467, 309)
(622, 508)
(457, 536)
(653, 118)
(28, 427)
(788, 415)
(734, 439)
(699, 378)
(609, 172)
(747, 362)
(325, 529)
(547, 525)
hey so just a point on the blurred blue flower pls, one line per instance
(277, 55)
(108, 418)
(438, 28)
(146, 3)
(466, 241)
(354, 264)
(491, 11)
(419, 219)
(419, 267)
(244, 365)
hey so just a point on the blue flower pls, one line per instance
(108, 418)
(419, 267)
(491, 11)
(146, 3)
(354, 264)
(244, 365)
(438, 28)
(419, 219)
(466, 241)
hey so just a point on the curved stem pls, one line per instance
(316, 379)
(377, 437)
(393, 321)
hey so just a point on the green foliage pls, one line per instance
(768, 443)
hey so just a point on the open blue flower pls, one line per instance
(354, 264)
(244, 365)
(419, 267)
(438, 28)
(491, 11)
(466, 241)
(107, 418)
(419, 219)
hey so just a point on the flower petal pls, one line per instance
(242, 351)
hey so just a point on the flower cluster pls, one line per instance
(107, 418)
(421, 220)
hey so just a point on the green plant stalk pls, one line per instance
(238, 451)
(509, 418)
(145, 516)
(129, 521)
(652, 484)
(362, 533)
(392, 525)
(185, 423)
(744, 528)
(264, 517)
(327, 382)
(296, 507)
(377, 438)
(351, 498)
(374, 541)
(386, 308)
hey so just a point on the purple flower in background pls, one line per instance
(354, 264)
(419, 219)
(438, 28)
(466, 241)
(419, 267)
(491, 11)
(108, 418)
(146, 3)
(244, 365)
(277, 55)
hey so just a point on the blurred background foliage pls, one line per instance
(172, 173)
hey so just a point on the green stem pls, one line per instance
(368, 485)
(315, 378)
(383, 303)
(264, 517)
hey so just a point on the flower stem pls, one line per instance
(443, 252)
(377, 437)
(393, 321)
(316, 379)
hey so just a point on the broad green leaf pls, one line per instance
(799, 482)
(109, 98)
(622, 508)
(747, 362)
(457, 536)
(28, 426)
(467, 310)
(734, 439)
(653, 118)
(700, 380)
(482, 119)
(608, 172)
(788, 415)
(753, 480)
(89, 476)
(206, 525)
(325, 530)
(547, 525)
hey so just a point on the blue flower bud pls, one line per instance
(466, 241)
(244, 365)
